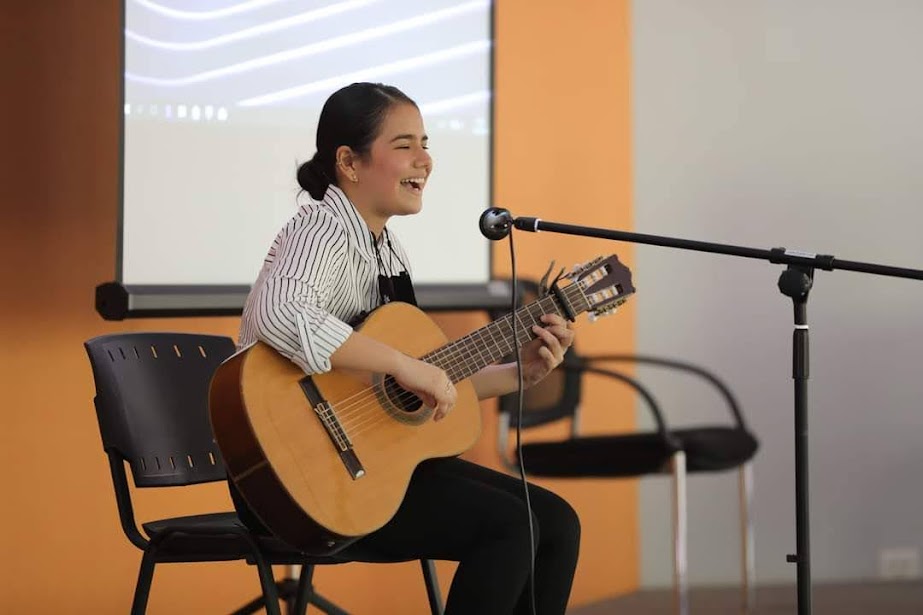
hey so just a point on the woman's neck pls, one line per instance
(375, 224)
(374, 220)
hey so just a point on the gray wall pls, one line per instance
(800, 124)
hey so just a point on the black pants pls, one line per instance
(458, 511)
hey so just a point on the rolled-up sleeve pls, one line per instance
(290, 308)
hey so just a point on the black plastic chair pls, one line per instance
(709, 448)
(151, 404)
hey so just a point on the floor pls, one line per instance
(898, 598)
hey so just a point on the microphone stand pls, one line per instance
(795, 282)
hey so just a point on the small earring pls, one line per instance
(354, 178)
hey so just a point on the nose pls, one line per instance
(424, 160)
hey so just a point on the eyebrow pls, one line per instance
(408, 136)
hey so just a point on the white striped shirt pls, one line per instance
(321, 273)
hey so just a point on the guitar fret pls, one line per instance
(482, 347)
(495, 346)
(534, 321)
(495, 327)
(522, 330)
(473, 354)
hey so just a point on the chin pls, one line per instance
(408, 208)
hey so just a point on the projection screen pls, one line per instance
(221, 99)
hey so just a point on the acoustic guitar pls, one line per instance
(324, 459)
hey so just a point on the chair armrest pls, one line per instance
(679, 366)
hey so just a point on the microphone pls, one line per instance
(495, 223)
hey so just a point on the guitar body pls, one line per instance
(287, 465)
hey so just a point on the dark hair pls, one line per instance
(352, 116)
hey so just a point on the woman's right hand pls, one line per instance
(429, 383)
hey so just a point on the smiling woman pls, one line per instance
(333, 263)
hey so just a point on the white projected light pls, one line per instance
(221, 103)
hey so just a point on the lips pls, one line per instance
(414, 184)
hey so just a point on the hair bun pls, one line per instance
(312, 178)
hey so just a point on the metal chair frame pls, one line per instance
(675, 465)
(220, 536)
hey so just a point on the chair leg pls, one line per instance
(288, 588)
(306, 595)
(325, 605)
(680, 582)
(747, 559)
(143, 587)
(254, 606)
(268, 585)
(305, 589)
(432, 586)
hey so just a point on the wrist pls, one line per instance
(400, 363)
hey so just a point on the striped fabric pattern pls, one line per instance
(321, 272)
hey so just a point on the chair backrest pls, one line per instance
(152, 404)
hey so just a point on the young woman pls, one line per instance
(334, 262)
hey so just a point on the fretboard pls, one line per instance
(487, 345)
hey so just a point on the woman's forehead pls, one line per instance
(403, 119)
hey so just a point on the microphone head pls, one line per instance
(495, 223)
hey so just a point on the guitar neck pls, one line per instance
(485, 346)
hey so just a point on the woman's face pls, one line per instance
(391, 178)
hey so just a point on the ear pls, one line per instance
(346, 160)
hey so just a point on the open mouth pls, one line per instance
(414, 184)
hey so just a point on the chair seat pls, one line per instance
(213, 537)
(708, 449)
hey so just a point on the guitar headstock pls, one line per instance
(605, 284)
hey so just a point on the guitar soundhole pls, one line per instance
(401, 403)
(401, 398)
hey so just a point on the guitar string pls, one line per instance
(378, 418)
(369, 420)
(357, 420)
(361, 419)
(450, 354)
(456, 361)
(360, 424)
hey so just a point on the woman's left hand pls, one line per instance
(546, 352)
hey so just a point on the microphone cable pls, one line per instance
(514, 323)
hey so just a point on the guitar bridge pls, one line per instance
(340, 439)
(334, 429)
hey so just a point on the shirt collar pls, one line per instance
(358, 233)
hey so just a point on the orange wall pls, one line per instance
(562, 152)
